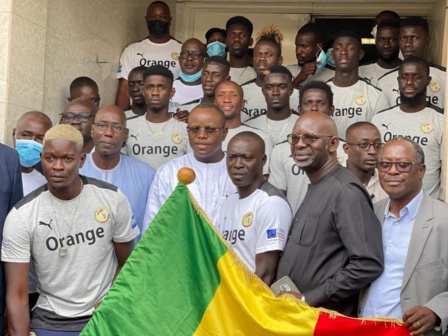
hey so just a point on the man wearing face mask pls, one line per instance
(188, 87)
(27, 137)
(159, 48)
(311, 59)
(215, 42)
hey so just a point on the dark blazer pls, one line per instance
(11, 192)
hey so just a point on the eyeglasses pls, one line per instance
(208, 130)
(116, 128)
(307, 138)
(402, 167)
(82, 117)
(194, 54)
(366, 146)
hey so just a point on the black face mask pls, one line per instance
(157, 28)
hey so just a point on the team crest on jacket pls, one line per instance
(361, 99)
(175, 56)
(177, 138)
(247, 219)
(427, 127)
(435, 86)
(102, 215)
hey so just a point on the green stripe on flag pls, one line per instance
(169, 279)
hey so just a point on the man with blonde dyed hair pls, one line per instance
(77, 230)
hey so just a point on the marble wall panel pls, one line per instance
(5, 18)
(26, 63)
(31, 10)
(5, 5)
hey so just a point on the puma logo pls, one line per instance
(140, 54)
(395, 90)
(46, 224)
(386, 126)
(134, 136)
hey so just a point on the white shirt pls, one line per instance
(210, 188)
(31, 181)
(186, 93)
(256, 224)
(242, 75)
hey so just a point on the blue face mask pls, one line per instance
(29, 152)
(322, 58)
(330, 60)
(190, 78)
(216, 49)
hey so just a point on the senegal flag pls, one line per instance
(183, 279)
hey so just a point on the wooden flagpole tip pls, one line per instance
(186, 175)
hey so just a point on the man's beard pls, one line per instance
(412, 101)
(390, 58)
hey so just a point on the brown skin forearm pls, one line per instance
(266, 266)
(17, 299)
(122, 98)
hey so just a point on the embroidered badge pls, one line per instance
(177, 138)
(427, 127)
(435, 86)
(102, 215)
(361, 100)
(247, 219)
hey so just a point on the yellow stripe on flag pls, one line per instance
(248, 306)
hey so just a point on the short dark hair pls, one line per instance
(242, 21)
(220, 60)
(313, 28)
(140, 68)
(278, 69)
(214, 30)
(348, 33)
(357, 125)
(391, 15)
(415, 60)
(388, 24)
(82, 82)
(252, 135)
(320, 86)
(417, 21)
(158, 70)
(210, 105)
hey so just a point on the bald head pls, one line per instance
(207, 108)
(113, 110)
(256, 141)
(314, 143)
(194, 42)
(87, 104)
(319, 122)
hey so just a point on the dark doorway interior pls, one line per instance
(363, 27)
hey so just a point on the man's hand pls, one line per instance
(308, 69)
(181, 115)
(419, 319)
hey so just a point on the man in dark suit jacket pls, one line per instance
(414, 284)
(10, 193)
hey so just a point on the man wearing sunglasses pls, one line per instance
(414, 284)
(106, 163)
(212, 185)
(80, 113)
(415, 119)
(362, 147)
(334, 248)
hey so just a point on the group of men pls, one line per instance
(268, 145)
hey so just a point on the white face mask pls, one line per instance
(373, 32)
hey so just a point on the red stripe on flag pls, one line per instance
(345, 326)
